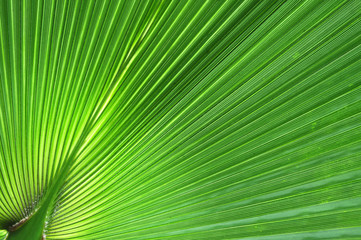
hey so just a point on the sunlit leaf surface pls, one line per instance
(180, 119)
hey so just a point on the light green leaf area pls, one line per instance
(180, 119)
(3, 234)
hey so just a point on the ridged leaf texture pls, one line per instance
(180, 119)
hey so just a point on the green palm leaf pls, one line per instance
(180, 119)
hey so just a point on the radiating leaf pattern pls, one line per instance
(180, 119)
